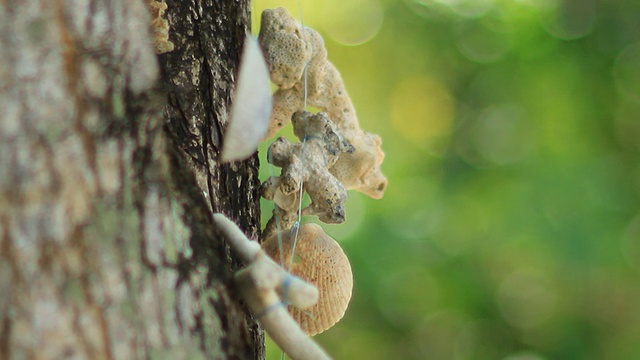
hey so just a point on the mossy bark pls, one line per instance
(108, 179)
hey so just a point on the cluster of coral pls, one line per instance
(334, 154)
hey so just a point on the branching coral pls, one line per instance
(307, 162)
(289, 48)
(360, 170)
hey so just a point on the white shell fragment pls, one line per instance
(251, 109)
(320, 261)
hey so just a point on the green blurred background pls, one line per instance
(511, 225)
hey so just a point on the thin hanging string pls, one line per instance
(301, 193)
(278, 225)
(296, 227)
(295, 230)
(276, 212)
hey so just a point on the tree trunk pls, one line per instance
(108, 179)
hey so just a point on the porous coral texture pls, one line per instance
(360, 170)
(288, 58)
(288, 49)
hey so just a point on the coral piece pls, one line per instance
(320, 261)
(360, 170)
(160, 26)
(288, 59)
(280, 220)
(307, 163)
(288, 49)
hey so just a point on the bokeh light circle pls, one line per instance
(631, 243)
(405, 297)
(422, 109)
(525, 300)
(480, 44)
(351, 22)
(464, 8)
(501, 135)
(626, 72)
(572, 20)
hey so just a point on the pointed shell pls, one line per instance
(251, 108)
(320, 261)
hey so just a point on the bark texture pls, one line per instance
(108, 179)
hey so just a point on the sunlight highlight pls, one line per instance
(422, 109)
(351, 22)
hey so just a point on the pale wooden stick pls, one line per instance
(258, 283)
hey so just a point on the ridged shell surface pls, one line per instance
(320, 261)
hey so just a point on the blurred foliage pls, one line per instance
(511, 225)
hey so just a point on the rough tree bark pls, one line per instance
(108, 179)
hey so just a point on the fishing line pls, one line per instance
(277, 210)
(296, 227)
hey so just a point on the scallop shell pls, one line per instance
(320, 261)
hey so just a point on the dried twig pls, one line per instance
(262, 284)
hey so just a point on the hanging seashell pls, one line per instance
(320, 261)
